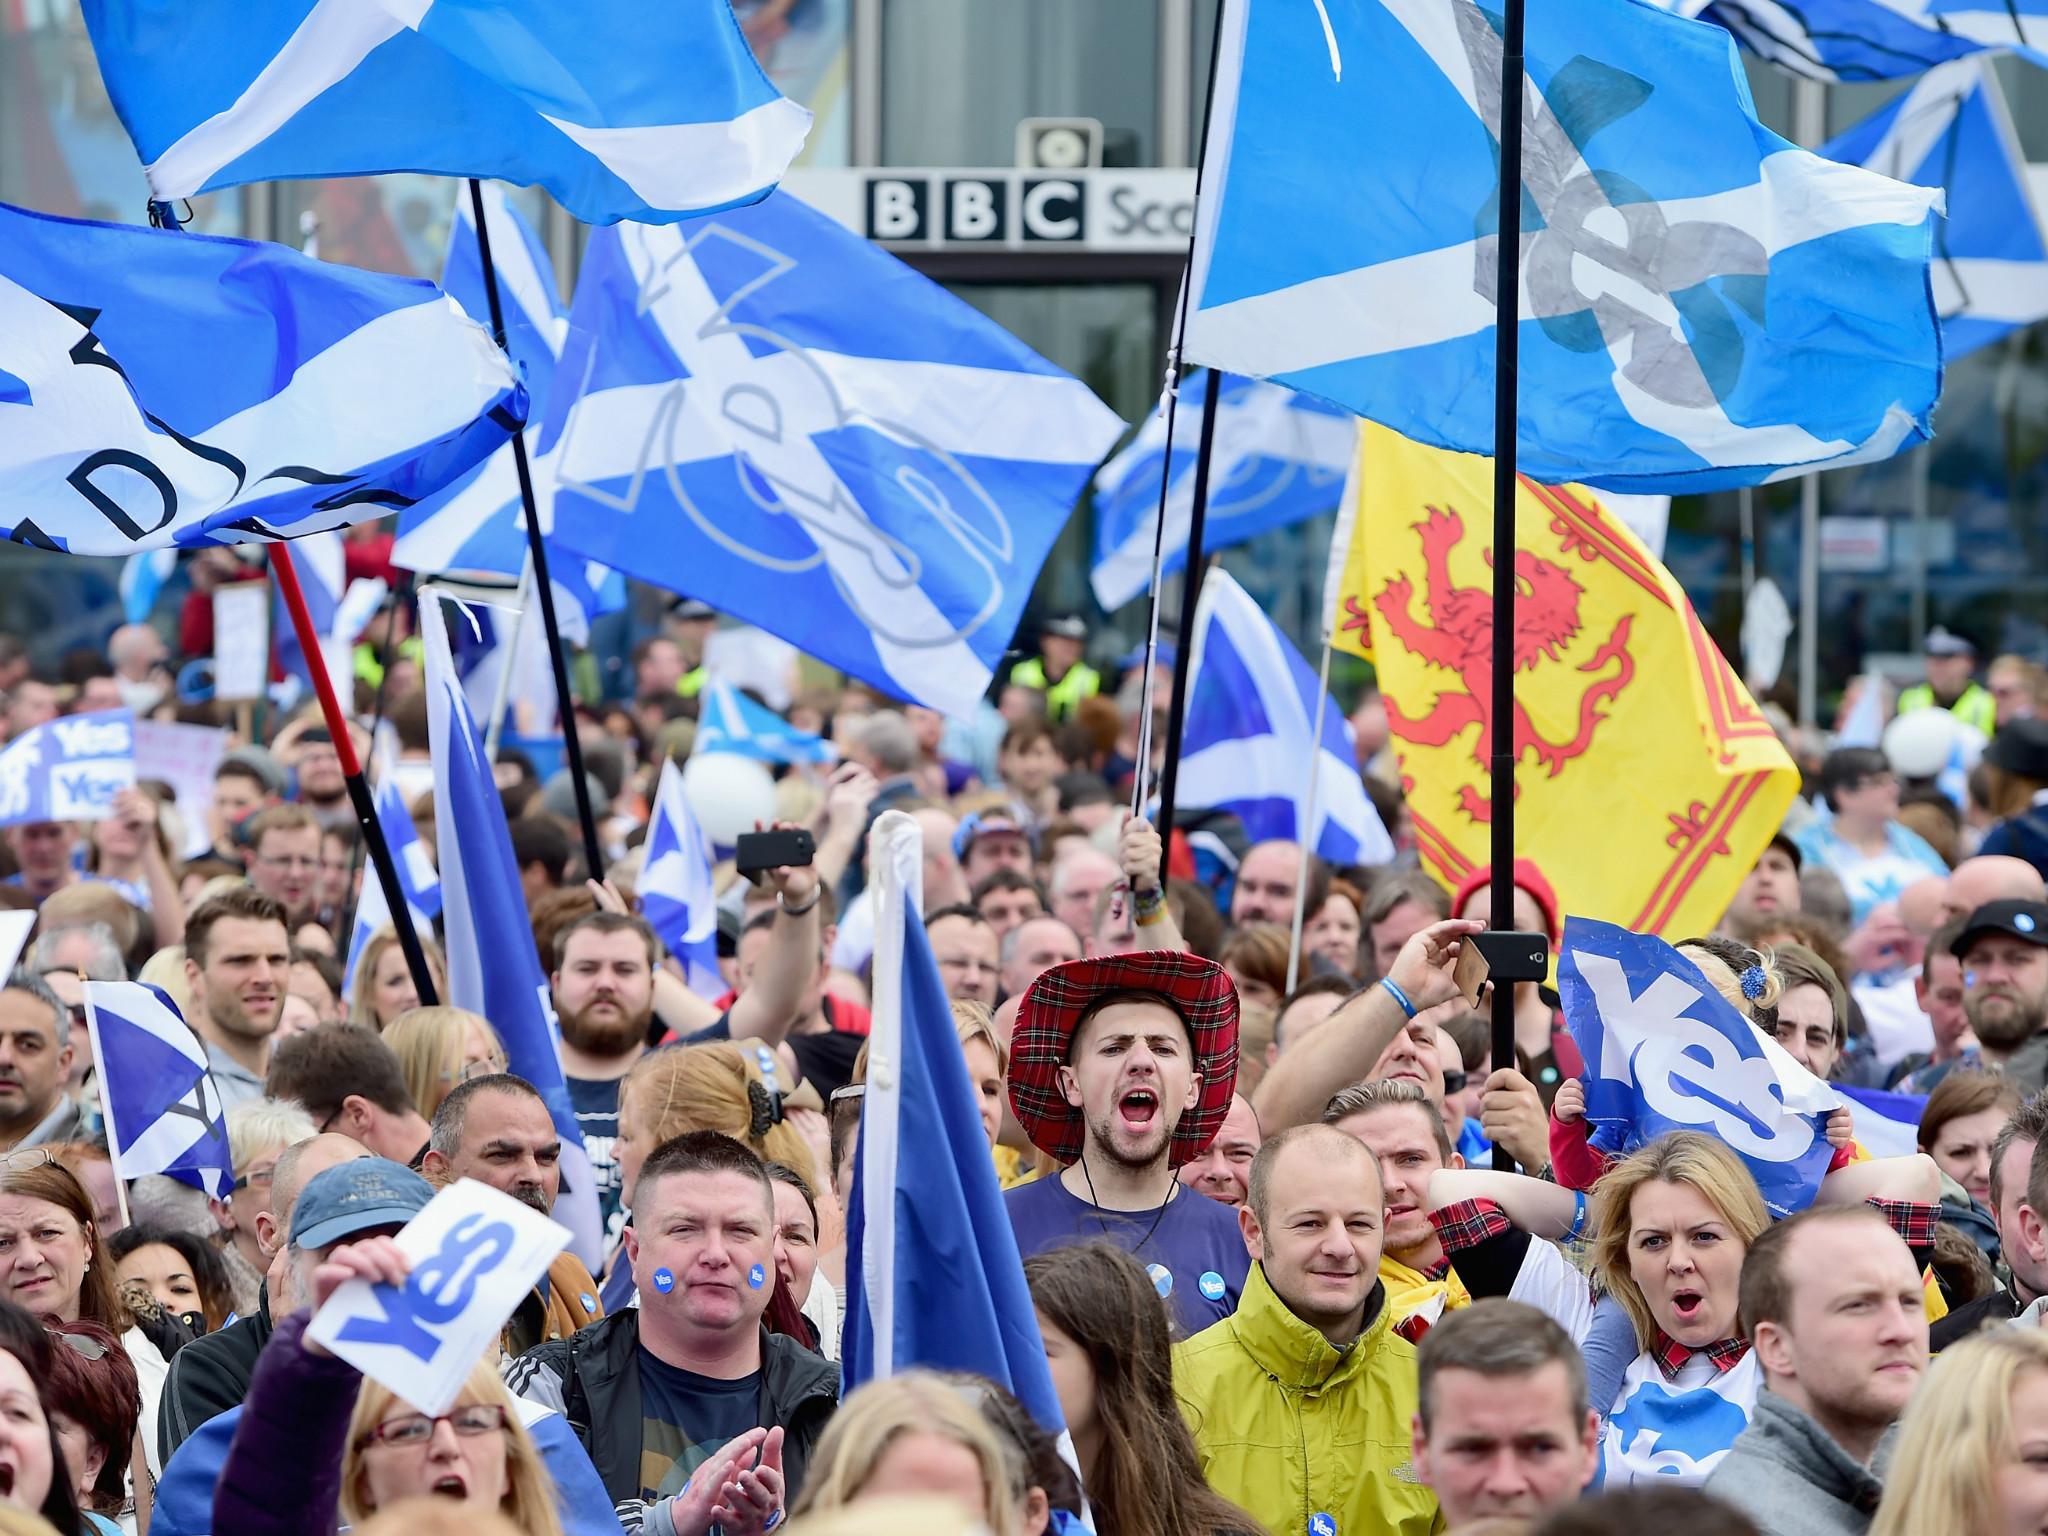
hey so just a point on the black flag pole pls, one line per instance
(1191, 590)
(1506, 361)
(565, 703)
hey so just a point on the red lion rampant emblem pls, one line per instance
(1460, 640)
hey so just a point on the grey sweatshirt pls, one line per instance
(1790, 1477)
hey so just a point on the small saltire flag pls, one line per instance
(765, 406)
(1278, 458)
(1952, 131)
(1648, 781)
(933, 1274)
(1256, 719)
(416, 873)
(163, 1112)
(490, 970)
(1665, 1052)
(1876, 39)
(327, 396)
(676, 894)
(142, 578)
(69, 769)
(635, 109)
(729, 721)
(1703, 304)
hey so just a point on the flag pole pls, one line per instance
(1191, 592)
(398, 600)
(536, 548)
(1307, 830)
(501, 695)
(352, 771)
(1506, 362)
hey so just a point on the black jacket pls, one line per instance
(593, 1379)
(209, 1376)
(1984, 1312)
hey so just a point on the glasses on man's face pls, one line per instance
(416, 1429)
(255, 1178)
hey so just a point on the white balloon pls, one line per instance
(728, 794)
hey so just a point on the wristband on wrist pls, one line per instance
(1394, 991)
(789, 911)
(1148, 903)
(1578, 1226)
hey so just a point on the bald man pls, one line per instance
(1990, 877)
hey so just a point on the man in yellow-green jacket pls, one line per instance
(1300, 1402)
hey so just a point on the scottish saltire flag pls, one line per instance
(1876, 39)
(326, 395)
(676, 894)
(1666, 1052)
(1703, 304)
(491, 970)
(416, 873)
(729, 721)
(767, 407)
(1256, 718)
(339, 608)
(932, 1270)
(1952, 131)
(163, 1113)
(142, 578)
(1279, 458)
(69, 769)
(635, 109)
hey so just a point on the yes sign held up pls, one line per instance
(475, 1253)
(69, 769)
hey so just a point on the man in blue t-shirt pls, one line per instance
(1122, 1067)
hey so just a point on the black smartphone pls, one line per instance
(756, 851)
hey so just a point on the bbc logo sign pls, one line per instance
(977, 210)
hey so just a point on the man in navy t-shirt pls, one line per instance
(1122, 1068)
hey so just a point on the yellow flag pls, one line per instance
(1647, 781)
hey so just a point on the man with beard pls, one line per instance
(1121, 1068)
(2004, 951)
(497, 1131)
(1768, 892)
(316, 765)
(237, 966)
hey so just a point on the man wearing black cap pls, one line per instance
(2004, 951)
(1951, 661)
(1768, 893)
(2020, 753)
(1058, 670)
(1122, 1067)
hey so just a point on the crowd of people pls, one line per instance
(1279, 1285)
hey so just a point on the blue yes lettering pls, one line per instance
(438, 1290)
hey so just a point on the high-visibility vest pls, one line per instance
(691, 683)
(1974, 707)
(1061, 698)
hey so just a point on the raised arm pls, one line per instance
(1143, 857)
(1915, 1180)
(1535, 1206)
(768, 1006)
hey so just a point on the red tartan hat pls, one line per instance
(1199, 990)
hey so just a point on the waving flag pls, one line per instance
(142, 578)
(327, 395)
(729, 721)
(1662, 214)
(1278, 458)
(1952, 131)
(163, 1112)
(1647, 780)
(766, 407)
(1256, 718)
(69, 769)
(676, 895)
(635, 109)
(1876, 39)
(416, 873)
(492, 970)
(1665, 1052)
(932, 1271)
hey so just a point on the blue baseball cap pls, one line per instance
(356, 1197)
(993, 823)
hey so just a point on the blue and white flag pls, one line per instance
(69, 769)
(142, 578)
(492, 970)
(339, 608)
(1251, 735)
(164, 1114)
(1876, 39)
(1665, 1052)
(1278, 458)
(160, 389)
(1952, 131)
(729, 721)
(933, 1276)
(1659, 216)
(676, 894)
(416, 874)
(635, 109)
(766, 407)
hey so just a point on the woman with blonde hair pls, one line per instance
(1972, 1448)
(382, 985)
(439, 1047)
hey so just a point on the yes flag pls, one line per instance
(932, 1271)
(163, 1112)
(1256, 719)
(416, 873)
(1279, 458)
(484, 918)
(159, 389)
(1703, 305)
(1951, 131)
(634, 109)
(729, 721)
(1876, 39)
(676, 894)
(1665, 1052)
(764, 406)
(68, 769)
(1647, 780)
